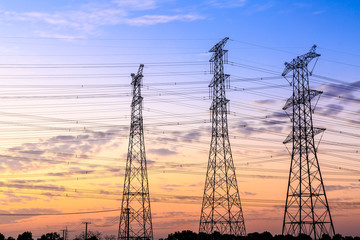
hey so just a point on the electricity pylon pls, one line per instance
(221, 207)
(306, 210)
(135, 216)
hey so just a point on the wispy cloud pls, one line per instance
(257, 8)
(11, 197)
(341, 187)
(88, 18)
(319, 12)
(23, 185)
(57, 149)
(346, 89)
(227, 3)
(192, 136)
(302, 5)
(265, 102)
(162, 151)
(247, 127)
(137, 4)
(248, 194)
(332, 109)
(17, 218)
(156, 19)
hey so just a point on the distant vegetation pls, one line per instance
(184, 235)
(55, 236)
(189, 235)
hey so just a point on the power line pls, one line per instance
(59, 214)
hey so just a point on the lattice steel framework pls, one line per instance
(306, 209)
(221, 208)
(135, 216)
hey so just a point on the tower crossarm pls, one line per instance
(290, 101)
(219, 52)
(219, 103)
(318, 130)
(218, 80)
(136, 79)
(289, 138)
(301, 61)
(314, 93)
(219, 45)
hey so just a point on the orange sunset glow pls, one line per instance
(66, 94)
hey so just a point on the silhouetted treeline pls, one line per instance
(91, 235)
(184, 235)
(189, 235)
(28, 236)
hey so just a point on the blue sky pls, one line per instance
(288, 25)
(53, 115)
(292, 26)
(273, 22)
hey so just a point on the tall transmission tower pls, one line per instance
(221, 207)
(306, 210)
(135, 216)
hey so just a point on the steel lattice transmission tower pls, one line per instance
(135, 216)
(221, 207)
(307, 209)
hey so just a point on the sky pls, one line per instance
(65, 107)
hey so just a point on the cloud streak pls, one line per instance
(162, 152)
(346, 89)
(227, 3)
(18, 218)
(88, 18)
(58, 150)
(147, 20)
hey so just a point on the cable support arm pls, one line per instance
(300, 61)
(290, 101)
(220, 44)
(318, 130)
(289, 138)
(136, 78)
